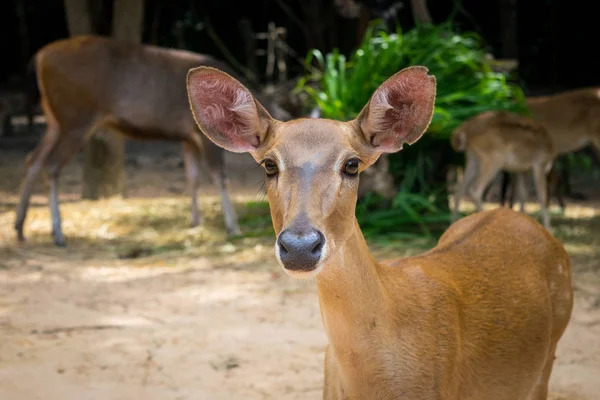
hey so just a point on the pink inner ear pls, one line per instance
(226, 109)
(401, 109)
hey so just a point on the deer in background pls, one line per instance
(501, 140)
(477, 317)
(572, 119)
(88, 82)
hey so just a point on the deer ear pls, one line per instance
(226, 111)
(399, 111)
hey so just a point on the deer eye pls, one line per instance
(351, 167)
(271, 168)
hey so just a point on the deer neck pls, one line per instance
(350, 290)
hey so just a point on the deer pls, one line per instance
(91, 82)
(502, 140)
(476, 317)
(572, 119)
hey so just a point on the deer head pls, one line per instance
(312, 166)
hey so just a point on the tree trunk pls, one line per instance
(508, 19)
(364, 18)
(104, 154)
(128, 20)
(79, 18)
(23, 33)
(420, 12)
(249, 38)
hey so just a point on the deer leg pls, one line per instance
(513, 192)
(34, 161)
(231, 219)
(553, 188)
(539, 178)
(215, 158)
(190, 159)
(66, 147)
(469, 174)
(561, 200)
(487, 171)
(486, 192)
(33, 172)
(59, 239)
(521, 189)
(506, 180)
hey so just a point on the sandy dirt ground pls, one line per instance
(200, 317)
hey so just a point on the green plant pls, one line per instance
(410, 207)
(466, 83)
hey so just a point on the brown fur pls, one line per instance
(572, 118)
(91, 82)
(477, 317)
(501, 140)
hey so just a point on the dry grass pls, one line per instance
(137, 228)
(152, 229)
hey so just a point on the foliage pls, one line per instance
(466, 83)
(408, 208)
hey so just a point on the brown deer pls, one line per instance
(501, 140)
(477, 317)
(91, 82)
(572, 119)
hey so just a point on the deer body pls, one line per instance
(572, 118)
(500, 140)
(88, 82)
(477, 317)
(441, 325)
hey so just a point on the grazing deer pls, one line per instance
(572, 119)
(91, 82)
(501, 140)
(477, 317)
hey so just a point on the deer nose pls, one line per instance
(300, 250)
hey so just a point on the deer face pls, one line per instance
(312, 166)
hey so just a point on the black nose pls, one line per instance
(300, 250)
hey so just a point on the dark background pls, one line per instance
(556, 39)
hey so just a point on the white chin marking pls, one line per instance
(304, 274)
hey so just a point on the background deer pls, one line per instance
(500, 140)
(477, 317)
(89, 82)
(572, 119)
